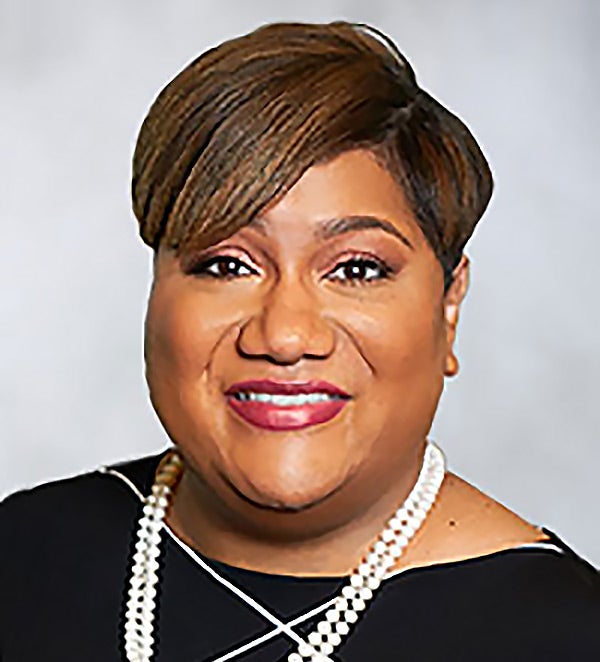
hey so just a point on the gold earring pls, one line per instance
(452, 366)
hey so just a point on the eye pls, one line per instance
(223, 267)
(358, 271)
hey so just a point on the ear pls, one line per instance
(452, 301)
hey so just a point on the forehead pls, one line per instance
(353, 185)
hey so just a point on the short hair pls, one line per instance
(240, 124)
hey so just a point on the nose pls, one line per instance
(288, 326)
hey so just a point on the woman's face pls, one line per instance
(299, 296)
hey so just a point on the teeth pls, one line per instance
(286, 400)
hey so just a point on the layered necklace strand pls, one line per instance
(339, 618)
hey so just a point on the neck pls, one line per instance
(326, 540)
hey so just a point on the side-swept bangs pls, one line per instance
(240, 124)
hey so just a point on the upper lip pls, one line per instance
(286, 388)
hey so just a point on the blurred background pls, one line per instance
(522, 419)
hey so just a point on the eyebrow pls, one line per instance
(334, 227)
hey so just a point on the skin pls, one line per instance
(310, 501)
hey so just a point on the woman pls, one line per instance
(308, 206)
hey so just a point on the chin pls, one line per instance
(280, 496)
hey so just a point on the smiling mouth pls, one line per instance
(286, 412)
(285, 400)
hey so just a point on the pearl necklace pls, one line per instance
(354, 597)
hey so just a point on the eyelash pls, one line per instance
(201, 269)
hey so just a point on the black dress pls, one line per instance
(64, 558)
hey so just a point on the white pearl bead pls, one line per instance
(379, 573)
(334, 639)
(387, 535)
(324, 627)
(356, 580)
(348, 592)
(394, 523)
(332, 615)
(159, 513)
(342, 627)
(372, 558)
(350, 616)
(315, 638)
(365, 593)
(154, 538)
(326, 648)
(409, 531)
(305, 650)
(373, 583)
(414, 522)
(342, 603)
(395, 551)
(358, 604)
(364, 569)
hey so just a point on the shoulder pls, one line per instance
(533, 602)
(546, 602)
(66, 534)
(82, 506)
(63, 560)
(466, 523)
(507, 576)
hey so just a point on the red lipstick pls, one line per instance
(272, 415)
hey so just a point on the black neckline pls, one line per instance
(257, 575)
(141, 473)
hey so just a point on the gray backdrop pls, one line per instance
(521, 421)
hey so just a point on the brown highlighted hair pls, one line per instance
(240, 124)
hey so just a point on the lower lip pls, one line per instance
(272, 417)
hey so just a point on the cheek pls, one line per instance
(180, 345)
(179, 337)
(402, 338)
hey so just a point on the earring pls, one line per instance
(452, 366)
